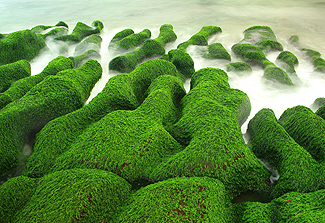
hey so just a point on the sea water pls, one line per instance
(304, 18)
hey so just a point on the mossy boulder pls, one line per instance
(182, 60)
(274, 73)
(12, 72)
(93, 42)
(288, 61)
(294, 40)
(80, 31)
(20, 45)
(131, 41)
(306, 128)
(239, 67)
(250, 53)
(321, 111)
(41, 28)
(65, 196)
(209, 128)
(19, 88)
(150, 48)
(200, 38)
(319, 102)
(58, 135)
(53, 97)
(315, 59)
(298, 170)
(120, 35)
(216, 51)
(182, 199)
(78, 61)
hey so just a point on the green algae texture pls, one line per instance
(122, 34)
(200, 38)
(239, 67)
(53, 97)
(20, 87)
(306, 128)
(92, 42)
(150, 48)
(299, 171)
(12, 72)
(20, 45)
(193, 199)
(209, 128)
(41, 28)
(131, 41)
(78, 61)
(81, 31)
(216, 51)
(274, 73)
(85, 196)
(249, 53)
(288, 60)
(319, 102)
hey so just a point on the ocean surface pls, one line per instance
(305, 18)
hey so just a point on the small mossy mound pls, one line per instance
(41, 28)
(65, 196)
(131, 41)
(306, 128)
(19, 88)
(209, 127)
(321, 112)
(294, 40)
(78, 61)
(288, 61)
(193, 199)
(316, 60)
(130, 143)
(53, 97)
(150, 48)
(182, 60)
(239, 67)
(291, 207)
(120, 35)
(311, 53)
(20, 45)
(55, 32)
(274, 73)
(249, 53)
(216, 51)
(270, 142)
(80, 31)
(58, 135)
(93, 42)
(200, 38)
(319, 102)
(12, 72)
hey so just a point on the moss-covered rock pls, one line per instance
(269, 141)
(306, 128)
(200, 38)
(93, 42)
(274, 73)
(20, 45)
(311, 53)
(209, 127)
(78, 61)
(250, 53)
(239, 67)
(315, 59)
(193, 199)
(41, 28)
(182, 60)
(216, 51)
(294, 40)
(19, 88)
(131, 41)
(120, 35)
(65, 196)
(12, 72)
(319, 102)
(150, 48)
(58, 135)
(321, 111)
(53, 97)
(288, 61)
(80, 31)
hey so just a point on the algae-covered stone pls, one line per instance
(41, 28)
(131, 41)
(12, 72)
(311, 53)
(288, 60)
(274, 73)
(294, 40)
(269, 141)
(58, 135)
(306, 128)
(209, 127)
(93, 42)
(80, 31)
(250, 53)
(65, 196)
(193, 199)
(316, 60)
(78, 61)
(239, 67)
(150, 48)
(321, 111)
(200, 38)
(182, 60)
(216, 51)
(251, 212)
(53, 97)
(319, 102)
(19, 88)
(122, 34)
(20, 45)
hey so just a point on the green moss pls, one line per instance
(270, 142)
(93, 42)
(12, 72)
(294, 40)
(132, 41)
(209, 127)
(78, 61)
(217, 51)
(53, 97)
(319, 64)
(41, 28)
(56, 32)
(311, 53)
(306, 128)
(58, 135)
(122, 34)
(20, 45)
(19, 88)
(182, 60)
(319, 102)
(249, 53)
(63, 24)
(321, 112)
(251, 212)
(150, 48)
(81, 31)
(239, 67)
(194, 199)
(288, 60)
(200, 38)
(67, 196)
(274, 73)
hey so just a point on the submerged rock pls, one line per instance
(288, 61)
(239, 67)
(216, 51)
